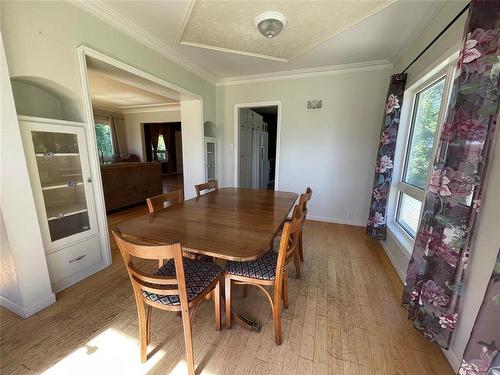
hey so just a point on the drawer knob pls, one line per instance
(77, 258)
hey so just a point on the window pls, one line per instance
(104, 141)
(427, 103)
(161, 151)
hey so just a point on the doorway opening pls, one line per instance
(257, 150)
(163, 143)
(117, 98)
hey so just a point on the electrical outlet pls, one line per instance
(231, 147)
(348, 213)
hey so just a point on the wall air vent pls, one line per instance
(314, 105)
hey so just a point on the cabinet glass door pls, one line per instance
(59, 170)
(59, 167)
(210, 147)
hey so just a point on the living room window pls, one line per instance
(161, 151)
(427, 102)
(104, 138)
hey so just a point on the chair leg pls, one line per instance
(216, 294)
(227, 291)
(285, 290)
(245, 290)
(277, 319)
(301, 246)
(143, 331)
(188, 340)
(149, 309)
(296, 261)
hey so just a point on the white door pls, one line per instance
(60, 177)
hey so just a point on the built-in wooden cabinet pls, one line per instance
(58, 164)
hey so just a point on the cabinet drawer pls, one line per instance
(70, 260)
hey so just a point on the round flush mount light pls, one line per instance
(270, 24)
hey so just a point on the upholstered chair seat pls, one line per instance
(199, 275)
(263, 268)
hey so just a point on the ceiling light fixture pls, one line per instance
(270, 24)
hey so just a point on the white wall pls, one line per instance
(134, 131)
(332, 150)
(487, 237)
(27, 288)
(41, 40)
(193, 144)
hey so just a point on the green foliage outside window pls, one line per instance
(427, 107)
(104, 140)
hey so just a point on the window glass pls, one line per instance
(104, 140)
(423, 131)
(408, 213)
(161, 149)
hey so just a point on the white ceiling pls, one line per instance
(376, 38)
(229, 25)
(115, 89)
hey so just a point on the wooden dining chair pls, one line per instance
(165, 200)
(179, 285)
(304, 198)
(268, 270)
(211, 185)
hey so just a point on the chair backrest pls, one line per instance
(290, 239)
(165, 200)
(141, 280)
(209, 185)
(304, 198)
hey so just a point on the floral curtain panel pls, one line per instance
(482, 353)
(437, 267)
(376, 227)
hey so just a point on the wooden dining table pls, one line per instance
(230, 223)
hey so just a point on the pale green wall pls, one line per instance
(332, 150)
(41, 38)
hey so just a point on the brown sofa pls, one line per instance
(130, 183)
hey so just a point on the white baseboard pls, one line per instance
(452, 358)
(27, 311)
(357, 223)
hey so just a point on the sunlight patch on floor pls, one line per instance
(110, 352)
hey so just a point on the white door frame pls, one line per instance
(236, 146)
(84, 52)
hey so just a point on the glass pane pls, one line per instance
(423, 130)
(60, 171)
(161, 152)
(104, 140)
(408, 213)
(210, 160)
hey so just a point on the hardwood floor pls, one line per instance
(344, 318)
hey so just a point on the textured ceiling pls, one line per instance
(110, 93)
(378, 37)
(229, 25)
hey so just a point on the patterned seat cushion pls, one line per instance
(198, 275)
(263, 268)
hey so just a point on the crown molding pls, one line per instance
(308, 72)
(145, 108)
(115, 19)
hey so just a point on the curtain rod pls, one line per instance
(437, 37)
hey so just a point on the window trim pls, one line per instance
(445, 69)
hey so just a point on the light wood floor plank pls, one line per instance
(344, 318)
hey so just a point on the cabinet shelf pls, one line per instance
(65, 210)
(43, 155)
(60, 185)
